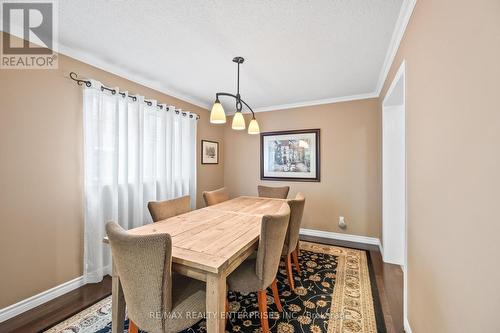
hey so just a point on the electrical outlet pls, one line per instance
(342, 223)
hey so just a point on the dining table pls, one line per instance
(207, 245)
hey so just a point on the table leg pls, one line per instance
(118, 304)
(216, 300)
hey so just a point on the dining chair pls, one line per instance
(162, 210)
(273, 192)
(257, 274)
(144, 263)
(291, 246)
(217, 196)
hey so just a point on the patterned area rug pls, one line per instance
(333, 295)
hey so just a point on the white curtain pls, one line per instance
(133, 153)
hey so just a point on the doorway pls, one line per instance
(394, 200)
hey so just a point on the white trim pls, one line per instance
(316, 102)
(401, 71)
(399, 30)
(381, 248)
(36, 300)
(397, 35)
(343, 237)
(407, 326)
(122, 72)
(401, 74)
(92, 60)
(405, 295)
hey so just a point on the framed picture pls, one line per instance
(290, 155)
(209, 152)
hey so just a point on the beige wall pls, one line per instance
(350, 164)
(41, 222)
(452, 53)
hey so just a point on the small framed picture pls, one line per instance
(209, 152)
(290, 155)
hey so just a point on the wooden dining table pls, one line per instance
(207, 245)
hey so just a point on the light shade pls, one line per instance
(253, 127)
(238, 122)
(217, 115)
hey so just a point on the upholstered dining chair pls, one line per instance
(162, 210)
(144, 264)
(257, 274)
(217, 196)
(273, 192)
(291, 246)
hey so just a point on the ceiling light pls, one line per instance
(218, 116)
(238, 121)
(253, 127)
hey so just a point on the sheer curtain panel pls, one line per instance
(133, 153)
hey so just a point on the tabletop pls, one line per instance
(209, 238)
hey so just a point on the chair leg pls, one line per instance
(261, 295)
(289, 273)
(296, 261)
(297, 248)
(276, 295)
(132, 327)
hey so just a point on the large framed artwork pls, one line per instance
(290, 155)
(209, 152)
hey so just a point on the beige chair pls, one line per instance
(257, 274)
(273, 192)
(216, 196)
(144, 264)
(291, 247)
(162, 210)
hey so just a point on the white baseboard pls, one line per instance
(407, 326)
(36, 300)
(344, 237)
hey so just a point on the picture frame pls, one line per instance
(209, 152)
(292, 155)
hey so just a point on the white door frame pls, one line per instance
(401, 75)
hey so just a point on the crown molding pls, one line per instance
(316, 102)
(119, 71)
(94, 61)
(397, 35)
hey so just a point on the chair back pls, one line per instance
(296, 212)
(143, 263)
(272, 237)
(273, 192)
(216, 196)
(162, 210)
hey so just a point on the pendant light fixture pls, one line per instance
(218, 116)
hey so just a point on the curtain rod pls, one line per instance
(73, 76)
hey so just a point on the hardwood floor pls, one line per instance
(389, 279)
(57, 310)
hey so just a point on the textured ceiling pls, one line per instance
(295, 51)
